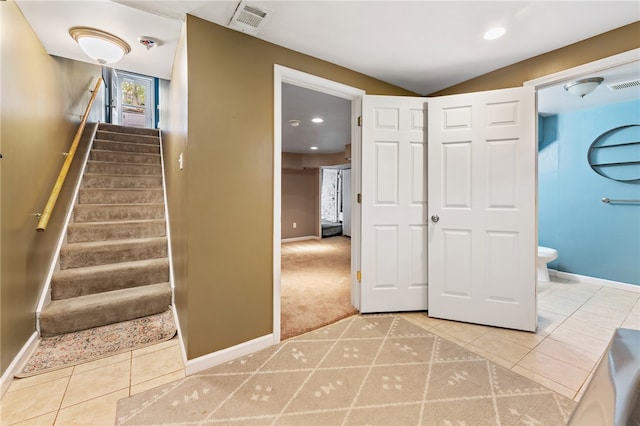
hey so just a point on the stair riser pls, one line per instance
(80, 233)
(126, 137)
(124, 157)
(121, 182)
(123, 169)
(120, 196)
(113, 263)
(64, 287)
(107, 255)
(106, 127)
(108, 213)
(103, 314)
(126, 147)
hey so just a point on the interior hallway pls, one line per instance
(315, 284)
(576, 321)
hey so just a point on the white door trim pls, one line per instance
(588, 68)
(281, 75)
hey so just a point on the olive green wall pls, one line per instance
(300, 203)
(173, 123)
(42, 98)
(601, 46)
(226, 207)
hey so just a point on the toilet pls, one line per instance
(545, 255)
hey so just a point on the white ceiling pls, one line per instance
(302, 105)
(423, 46)
(420, 45)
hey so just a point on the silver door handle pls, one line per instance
(435, 218)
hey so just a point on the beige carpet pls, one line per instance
(315, 284)
(373, 370)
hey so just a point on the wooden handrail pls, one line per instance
(55, 192)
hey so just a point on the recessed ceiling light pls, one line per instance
(494, 33)
(294, 123)
(313, 148)
(317, 120)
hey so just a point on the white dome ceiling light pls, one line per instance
(100, 46)
(584, 86)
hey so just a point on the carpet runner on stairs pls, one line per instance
(113, 264)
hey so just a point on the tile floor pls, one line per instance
(576, 321)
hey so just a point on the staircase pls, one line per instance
(113, 265)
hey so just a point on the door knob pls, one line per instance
(435, 218)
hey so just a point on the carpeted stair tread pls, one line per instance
(124, 157)
(102, 278)
(118, 230)
(93, 180)
(114, 212)
(78, 255)
(126, 137)
(106, 145)
(94, 310)
(116, 128)
(116, 168)
(120, 196)
(113, 264)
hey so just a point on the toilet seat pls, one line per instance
(547, 253)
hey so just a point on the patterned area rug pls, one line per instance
(373, 370)
(70, 349)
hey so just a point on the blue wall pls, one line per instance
(592, 238)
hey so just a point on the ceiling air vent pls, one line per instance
(623, 85)
(248, 18)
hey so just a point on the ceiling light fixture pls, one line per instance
(100, 46)
(294, 123)
(494, 33)
(317, 120)
(313, 148)
(583, 87)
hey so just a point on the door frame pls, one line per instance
(116, 77)
(582, 70)
(282, 74)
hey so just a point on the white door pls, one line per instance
(136, 100)
(393, 207)
(346, 202)
(482, 192)
(114, 99)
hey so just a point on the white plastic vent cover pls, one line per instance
(623, 85)
(248, 18)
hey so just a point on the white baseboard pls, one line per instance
(183, 349)
(18, 362)
(596, 281)
(216, 358)
(308, 237)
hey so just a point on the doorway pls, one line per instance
(283, 223)
(132, 99)
(315, 257)
(566, 185)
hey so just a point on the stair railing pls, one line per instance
(55, 192)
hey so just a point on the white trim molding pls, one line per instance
(585, 69)
(281, 75)
(294, 239)
(596, 281)
(204, 362)
(17, 363)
